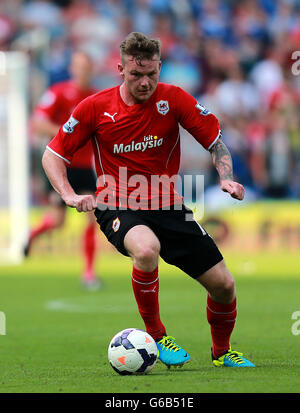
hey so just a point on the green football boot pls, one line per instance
(231, 359)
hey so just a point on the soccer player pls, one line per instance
(135, 132)
(55, 108)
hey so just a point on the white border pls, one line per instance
(57, 154)
(218, 136)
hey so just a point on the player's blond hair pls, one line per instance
(140, 47)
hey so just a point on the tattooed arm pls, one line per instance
(223, 163)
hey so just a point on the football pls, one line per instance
(132, 351)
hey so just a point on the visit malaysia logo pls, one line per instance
(148, 142)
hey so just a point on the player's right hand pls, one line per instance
(82, 203)
(235, 189)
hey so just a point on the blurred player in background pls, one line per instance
(135, 131)
(55, 108)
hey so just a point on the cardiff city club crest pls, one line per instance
(163, 107)
(70, 124)
(116, 224)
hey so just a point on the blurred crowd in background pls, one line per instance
(234, 56)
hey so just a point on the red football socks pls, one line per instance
(47, 224)
(221, 318)
(145, 287)
(89, 251)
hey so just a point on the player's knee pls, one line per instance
(228, 286)
(147, 253)
(223, 289)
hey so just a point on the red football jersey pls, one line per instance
(57, 104)
(135, 145)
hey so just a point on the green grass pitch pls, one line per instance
(57, 334)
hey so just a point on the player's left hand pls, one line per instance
(235, 189)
